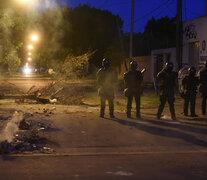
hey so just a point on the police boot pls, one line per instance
(173, 115)
(159, 113)
(102, 112)
(138, 115)
(193, 114)
(111, 113)
(185, 112)
(129, 112)
(203, 110)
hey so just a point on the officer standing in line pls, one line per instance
(107, 78)
(167, 78)
(203, 87)
(133, 80)
(190, 84)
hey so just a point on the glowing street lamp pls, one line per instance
(29, 59)
(34, 37)
(30, 47)
(29, 53)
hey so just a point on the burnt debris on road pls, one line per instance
(25, 133)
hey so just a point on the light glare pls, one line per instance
(27, 70)
(30, 47)
(34, 37)
(23, 1)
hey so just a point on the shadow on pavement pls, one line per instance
(161, 131)
(177, 126)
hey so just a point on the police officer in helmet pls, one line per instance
(167, 78)
(107, 78)
(133, 80)
(203, 87)
(190, 84)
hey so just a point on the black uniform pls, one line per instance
(167, 84)
(203, 88)
(107, 78)
(133, 80)
(190, 84)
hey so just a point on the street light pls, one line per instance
(29, 59)
(30, 47)
(34, 37)
(29, 53)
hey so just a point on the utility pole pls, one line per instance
(131, 33)
(179, 34)
(122, 44)
(205, 7)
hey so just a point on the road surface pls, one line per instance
(93, 148)
(25, 82)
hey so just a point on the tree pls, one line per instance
(162, 32)
(157, 34)
(92, 30)
(11, 28)
(76, 32)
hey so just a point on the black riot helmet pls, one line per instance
(169, 66)
(133, 65)
(106, 63)
(192, 71)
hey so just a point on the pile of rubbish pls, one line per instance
(63, 93)
(56, 93)
(23, 134)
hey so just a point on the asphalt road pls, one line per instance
(185, 166)
(89, 147)
(93, 148)
(25, 82)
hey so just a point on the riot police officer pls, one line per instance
(203, 87)
(107, 78)
(167, 78)
(133, 80)
(190, 84)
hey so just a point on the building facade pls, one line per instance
(195, 41)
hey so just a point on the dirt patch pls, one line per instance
(9, 88)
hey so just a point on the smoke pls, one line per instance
(12, 127)
(52, 26)
(42, 5)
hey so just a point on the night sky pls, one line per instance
(145, 9)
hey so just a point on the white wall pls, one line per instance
(164, 52)
(195, 30)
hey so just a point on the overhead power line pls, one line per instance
(164, 9)
(167, 4)
(152, 11)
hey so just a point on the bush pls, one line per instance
(75, 66)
